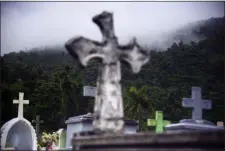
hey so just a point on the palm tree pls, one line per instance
(137, 105)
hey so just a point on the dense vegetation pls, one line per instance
(53, 83)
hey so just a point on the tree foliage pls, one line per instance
(53, 83)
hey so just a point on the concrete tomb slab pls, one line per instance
(83, 123)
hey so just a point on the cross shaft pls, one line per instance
(37, 121)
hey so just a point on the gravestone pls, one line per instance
(196, 123)
(37, 121)
(83, 124)
(220, 123)
(109, 116)
(62, 140)
(108, 109)
(196, 103)
(18, 133)
(89, 91)
(158, 122)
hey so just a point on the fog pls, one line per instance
(26, 25)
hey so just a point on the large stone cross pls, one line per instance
(197, 103)
(108, 109)
(21, 101)
(158, 122)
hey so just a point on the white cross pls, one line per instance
(20, 102)
(197, 103)
(89, 91)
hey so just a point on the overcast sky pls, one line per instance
(26, 25)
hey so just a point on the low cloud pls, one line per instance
(25, 25)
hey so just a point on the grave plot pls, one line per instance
(18, 133)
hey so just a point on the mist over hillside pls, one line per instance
(194, 31)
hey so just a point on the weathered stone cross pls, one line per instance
(158, 122)
(197, 103)
(37, 121)
(20, 102)
(108, 109)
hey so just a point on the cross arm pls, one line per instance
(151, 122)
(15, 101)
(133, 55)
(165, 122)
(34, 121)
(84, 49)
(25, 101)
(207, 104)
(187, 102)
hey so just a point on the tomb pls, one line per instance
(83, 123)
(196, 123)
(18, 133)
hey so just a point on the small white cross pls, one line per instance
(20, 102)
(89, 91)
(197, 103)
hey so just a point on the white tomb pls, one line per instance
(18, 133)
(83, 123)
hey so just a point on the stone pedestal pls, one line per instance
(193, 125)
(178, 141)
(83, 124)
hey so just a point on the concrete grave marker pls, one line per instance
(108, 109)
(220, 123)
(158, 122)
(18, 133)
(20, 102)
(89, 91)
(196, 103)
(61, 144)
(38, 122)
(197, 123)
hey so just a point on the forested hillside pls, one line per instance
(53, 83)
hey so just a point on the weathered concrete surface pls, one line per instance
(165, 141)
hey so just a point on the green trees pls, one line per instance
(138, 105)
(54, 85)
